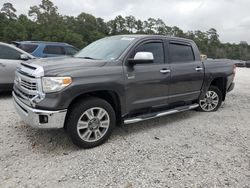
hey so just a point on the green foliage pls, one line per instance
(45, 23)
(9, 11)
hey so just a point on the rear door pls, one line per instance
(147, 84)
(53, 51)
(9, 59)
(187, 72)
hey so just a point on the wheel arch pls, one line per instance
(220, 83)
(110, 96)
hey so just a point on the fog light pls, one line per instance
(43, 119)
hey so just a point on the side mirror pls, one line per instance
(142, 58)
(24, 57)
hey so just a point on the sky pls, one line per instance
(231, 18)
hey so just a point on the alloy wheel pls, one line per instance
(93, 124)
(210, 102)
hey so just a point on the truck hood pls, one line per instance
(59, 65)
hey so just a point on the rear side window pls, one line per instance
(70, 50)
(181, 52)
(30, 48)
(49, 49)
(9, 53)
(154, 47)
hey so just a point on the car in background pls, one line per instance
(239, 63)
(248, 64)
(46, 49)
(10, 57)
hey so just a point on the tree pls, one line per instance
(102, 26)
(44, 13)
(14, 31)
(130, 22)
(113, 27)
(213, 36)
(9, 11)
(121, 25)
(149, 26)
(177, 32)
(139, 26)
(160, 27)
(48, 21)
(87, 26)
(45, 23)
(213, 43)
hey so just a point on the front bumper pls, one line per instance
(39, 118)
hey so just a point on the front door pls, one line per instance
(147, 84)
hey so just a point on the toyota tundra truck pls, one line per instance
(118, 80)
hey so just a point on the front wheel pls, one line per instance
(90, 122)
(212, 100)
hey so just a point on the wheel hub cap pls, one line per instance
(94, 124)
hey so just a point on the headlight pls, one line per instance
(54, 84)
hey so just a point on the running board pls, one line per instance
(159, 114)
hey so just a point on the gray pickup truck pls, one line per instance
(115, 80)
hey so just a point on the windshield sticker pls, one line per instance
(127, 38)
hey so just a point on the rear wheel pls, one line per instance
(90, 122)
(212, 100)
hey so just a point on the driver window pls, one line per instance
(154, 47)
(9, 53)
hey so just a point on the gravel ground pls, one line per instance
(189, 149)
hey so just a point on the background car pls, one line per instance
(248, 64)
(46, 49)
(240, 63)
(10, 57)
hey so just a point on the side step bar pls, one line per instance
(160, 114)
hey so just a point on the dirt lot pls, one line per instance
(190, 149)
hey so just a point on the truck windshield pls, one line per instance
(105, 49)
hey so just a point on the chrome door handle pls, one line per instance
(198, 69)
(164, 71)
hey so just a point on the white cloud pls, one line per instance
(230, 17)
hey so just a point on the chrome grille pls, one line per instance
(28, 83)
(27, 96)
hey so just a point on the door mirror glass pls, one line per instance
(142, 58)
(24, 57)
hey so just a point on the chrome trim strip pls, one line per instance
(193, 106)
(167, 113)
(173, 111)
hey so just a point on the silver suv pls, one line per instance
(10, 57)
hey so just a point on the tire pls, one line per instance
(212, 100)
(90, 122)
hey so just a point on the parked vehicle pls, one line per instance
(10, 57)
(119, 79)
(248, 64)
(239, 63)
(47, 49)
